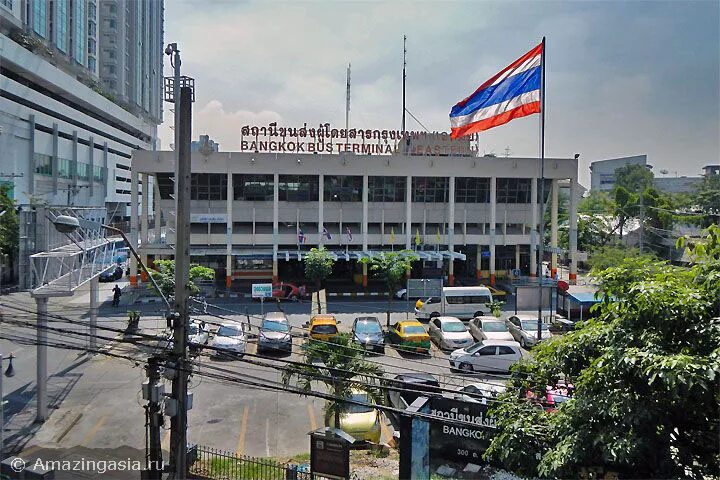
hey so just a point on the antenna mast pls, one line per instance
(347, 102)
(404, 77)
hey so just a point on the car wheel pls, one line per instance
(434, 314)
(522, 343)
(403, 296)
(466, 367)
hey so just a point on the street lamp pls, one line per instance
(10, 372)
(67, 224)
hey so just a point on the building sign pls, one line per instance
(261, 290)
(208, 217)
(329, 456)
(324, 139)
(462, 443)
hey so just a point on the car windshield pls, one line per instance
(413, 330)
(359, 397)
(367, 326)
(494, 327)
(228, 331)
(473, 348)
(453, 327)
(325, 329)
(530, 325)
(275, 326)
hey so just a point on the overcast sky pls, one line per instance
(623, 78)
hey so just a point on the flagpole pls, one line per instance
(541, 240)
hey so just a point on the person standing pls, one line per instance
(116, 296)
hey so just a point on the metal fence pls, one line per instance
(217, 464)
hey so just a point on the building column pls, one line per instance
(144, 213)
(321, 212)
(133, 237)
(41, 360)
(364, 227)
(517, 256)
(157, 226)
(94, 304)
(554, 227)
(451, 231)
(55, 160)
(534, 226)
(478, 262)
(276, 219)
(493, 220)
(573, 230)
(229, 232)
(408, 217)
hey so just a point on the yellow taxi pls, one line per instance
(323, 327)
(360, 421)
(410, 335)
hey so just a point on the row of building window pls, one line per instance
(424, 233)
(67, 168)
(343, 188)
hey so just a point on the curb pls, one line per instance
(357, 294)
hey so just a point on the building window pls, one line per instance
(166, 185)
(65, 168)
(83, 171)
(92, 10)
(513, 190)
(342, 188)
(430, 189)
(7, 4)
(92, 46)
(113, 8)
(208, 186)
(472, 190)
(61, 20)
(92, 29)
(299, 188)
(109, 69)
(40, 18)
(253, 187)
(79, 33)
(43, 164)
(92, 64)
(386, 189)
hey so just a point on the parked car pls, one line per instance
(488, 356)
(274, 333)
(523, 328)
(461, 302)
(323, 327)
(288, 291)
(406, 387)
(230, 338)
(449, 333)
(409, 335)
(360, 421)
(480, 392)
(489, 328)
(368, 332)
(198, 336)
(111, 276)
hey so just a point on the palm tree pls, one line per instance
(340, 364)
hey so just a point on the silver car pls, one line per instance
(524, 329)
(489, 328)
(275, 333)
(449, 333)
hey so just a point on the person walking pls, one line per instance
(116, 296)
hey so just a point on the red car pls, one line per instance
(554, 396)
(288, 291)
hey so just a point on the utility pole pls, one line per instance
(154, 420)
(403, 84)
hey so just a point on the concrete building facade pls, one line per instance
(602, 172)
(255, 215)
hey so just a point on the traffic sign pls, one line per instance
(261, 290)
(516, 272)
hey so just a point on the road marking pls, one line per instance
(69, 427)
(165, 444)
(243, 429)
(93, 431)
(267, 436)
(311, 415)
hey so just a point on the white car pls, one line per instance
(449, 333)
(480, 392)
(495, 356)
(229, 338)
(489, 328)
(523, 328)
(198, 336)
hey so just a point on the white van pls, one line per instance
(461, 302)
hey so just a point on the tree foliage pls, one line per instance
(318, 265)
(708, 197)
(9, 234)
(341, 366)
(611, 255)
(391, 266)
(645, 373)
(164, 276)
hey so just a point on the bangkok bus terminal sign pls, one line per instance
(324, 139)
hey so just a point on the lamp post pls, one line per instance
(10, 372)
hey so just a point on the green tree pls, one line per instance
(341, 366)
(611, 255)
(708, 198)
(393, 267)
(318, 266)
(634, 178)
(645, 373)
(9, 234)
(164, 276)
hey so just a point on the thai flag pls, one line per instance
(301, 237)
(326, 234)
(512, 93)
(349, 234)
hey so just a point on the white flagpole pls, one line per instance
(541, 233)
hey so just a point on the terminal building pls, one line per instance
(255, 215)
